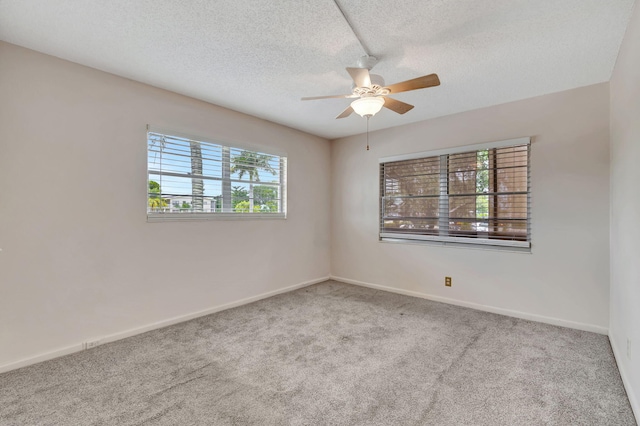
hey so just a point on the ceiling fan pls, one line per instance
(371, 93)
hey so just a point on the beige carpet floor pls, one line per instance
(330, 354)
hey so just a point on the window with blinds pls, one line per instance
(478, 194)
(194, 179)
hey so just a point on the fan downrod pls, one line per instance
(367, 61)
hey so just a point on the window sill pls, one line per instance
(178, 217)
(500, 245)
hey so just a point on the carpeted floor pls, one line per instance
(330, 354)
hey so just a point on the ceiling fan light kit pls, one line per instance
(368, 106)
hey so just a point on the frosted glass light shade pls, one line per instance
(367, 106)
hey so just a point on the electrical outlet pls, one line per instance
(628, 348)
(91, 344)
(447, 281)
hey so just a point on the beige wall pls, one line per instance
(78, 258)
(625, 210)
(565, 279)
(73, 272)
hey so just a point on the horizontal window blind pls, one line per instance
(478, 196)
(197, 179)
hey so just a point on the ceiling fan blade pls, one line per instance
(347, 112)
(360, 76)
(396, 106)
(417, 83)
(312, 98)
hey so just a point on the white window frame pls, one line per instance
(443, 238)
(159, 216)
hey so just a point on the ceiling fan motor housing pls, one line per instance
(376, 89)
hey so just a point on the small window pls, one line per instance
(195, 179)
(478, 194)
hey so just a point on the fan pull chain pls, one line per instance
(368, 117)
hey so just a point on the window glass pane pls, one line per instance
(190, 176)
(240, 197)
(416, 226)
(513, 206)
(462, 173)
(254, 166)
(413, 177)
(460, 227)
(155, 200)
(266, 198)
(482, 194)
(178, 195)
(509, 169)
(411, 207)
(462, 206)
(212, 160)
(508, 229)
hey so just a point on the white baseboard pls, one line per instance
(477, 306)
(635, 404)
(56, 353)
(160, 324)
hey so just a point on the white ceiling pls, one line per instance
(261, 56)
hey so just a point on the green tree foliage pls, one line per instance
(157, 203)
(244, 207)
(251, 163)
(482, 184)
(154, 199)
(262, 194)
(238, 195)
(269, 207)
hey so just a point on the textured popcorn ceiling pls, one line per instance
(261, 56)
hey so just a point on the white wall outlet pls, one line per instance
(91, 344)
(628, 348)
